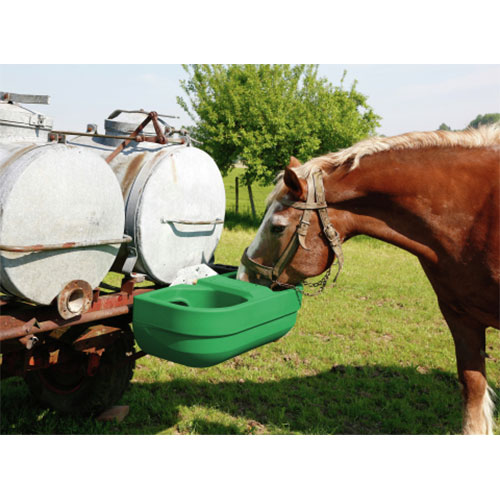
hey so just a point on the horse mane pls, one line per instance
(483, 136)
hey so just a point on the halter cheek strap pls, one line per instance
(315, 201)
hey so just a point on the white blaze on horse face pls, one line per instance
(263, 234)
(280, 220)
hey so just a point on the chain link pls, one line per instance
(321, 283)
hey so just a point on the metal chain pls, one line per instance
(321, 283)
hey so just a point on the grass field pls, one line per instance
(371, 356)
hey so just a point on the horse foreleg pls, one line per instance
(469, 337)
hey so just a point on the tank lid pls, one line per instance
(125, 122)
(15, 115)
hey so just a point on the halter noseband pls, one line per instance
(315, 201)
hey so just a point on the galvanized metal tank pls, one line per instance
(174, 201)
(58, 203)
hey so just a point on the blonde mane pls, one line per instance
(469, 138)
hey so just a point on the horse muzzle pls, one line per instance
(260, 274)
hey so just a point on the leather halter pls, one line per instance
(315, 201)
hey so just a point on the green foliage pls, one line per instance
(487, 119)
(263, 114)
(443, 126)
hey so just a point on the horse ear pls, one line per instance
(293, 182)
(294, 162)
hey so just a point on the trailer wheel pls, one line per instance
(68, 388)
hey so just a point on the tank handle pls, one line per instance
(164, 220)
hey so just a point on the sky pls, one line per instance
(408, 97)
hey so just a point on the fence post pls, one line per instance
(236, 192)
(250, 195)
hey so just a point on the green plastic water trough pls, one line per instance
(212, 321)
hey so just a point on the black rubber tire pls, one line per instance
(68, 388)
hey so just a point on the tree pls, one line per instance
(263, 114)
(443, 126)
(487, 119)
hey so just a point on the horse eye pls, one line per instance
(277, 229)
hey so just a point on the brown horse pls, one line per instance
(434, 194)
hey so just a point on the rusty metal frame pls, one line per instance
(23, 321)
(58, 135)
(64, 246)
(159, 138)
(24, 326)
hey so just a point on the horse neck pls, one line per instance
(401, 197)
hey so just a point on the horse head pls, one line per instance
(295, 239)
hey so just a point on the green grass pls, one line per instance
(371, 356)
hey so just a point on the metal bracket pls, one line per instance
(24, 98)
(37, 120)
(130, 261)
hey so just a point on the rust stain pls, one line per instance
(17, 155)
(131, 173)
(174, 170)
